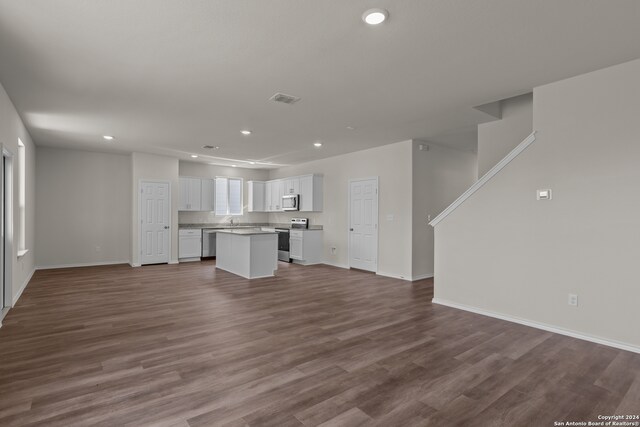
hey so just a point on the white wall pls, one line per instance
(153, 167)
(12, 128)
(392, 164)
(496, 139)
(504, 252)
(84, 207)
(203, 170)
(440, 175)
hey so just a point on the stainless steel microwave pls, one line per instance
(291, 202)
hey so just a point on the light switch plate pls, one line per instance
(390, 217)
(543, 194)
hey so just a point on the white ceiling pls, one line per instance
(170, 76)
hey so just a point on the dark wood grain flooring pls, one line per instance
(186, 345)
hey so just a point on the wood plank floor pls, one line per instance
(186, 345)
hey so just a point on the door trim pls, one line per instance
(376, 178)
(157, 181)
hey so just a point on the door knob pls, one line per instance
(351, 229)
(166, 227)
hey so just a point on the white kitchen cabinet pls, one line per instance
(309, 187)
(207, 195)
(256, 196)
(190, 194)
(277, 191)
(268, 191)
(296, 245)
(311, 193)
(292, 185)
(305, 246)
(189, 243)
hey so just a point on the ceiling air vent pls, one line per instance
(284, 98)
(210, 147)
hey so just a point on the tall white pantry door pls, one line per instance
(154, 222)
(363, 224)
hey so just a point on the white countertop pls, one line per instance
(246, 232)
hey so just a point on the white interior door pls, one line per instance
(154, 222)
(363, 224)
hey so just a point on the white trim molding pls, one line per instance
(83, 264)
(540, 325)
(485, 178)
(346, 267)
(22, 288)
(393, 276)
(406, 278)
(422, 276)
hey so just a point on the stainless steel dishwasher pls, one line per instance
(209, 243)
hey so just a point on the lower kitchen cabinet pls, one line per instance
(189, 244)
(305, 246)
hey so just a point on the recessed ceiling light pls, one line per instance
(195, 156)
(375, 16)
(234, 166)
(350, 127)
(108, 137)
(245, 132)
(317, 144)
(252, 163)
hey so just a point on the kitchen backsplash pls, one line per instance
(315, 218)
(211, 218)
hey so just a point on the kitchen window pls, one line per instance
(228, 199)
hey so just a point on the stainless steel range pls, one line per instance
(299, 222)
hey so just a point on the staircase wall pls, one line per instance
(504, 253)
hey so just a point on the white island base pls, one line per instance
(248, 253)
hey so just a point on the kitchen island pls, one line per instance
(250, 253)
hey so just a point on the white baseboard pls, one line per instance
(393, 276)
(22, 288)
(539, 325)
(346, 267)
(135, 265)
(176, 261)
(85, 264)
(3, 313)
(422, 276)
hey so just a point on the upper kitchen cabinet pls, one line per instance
(268, 189)
(256, 196)
(311, 193)
(207, 195)
(292, 185)
(267, 196)
(277, 191)
(190, 194)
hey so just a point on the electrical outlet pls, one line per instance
(429, 218)
(98, 248)
(573, 300)
(333, 250)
